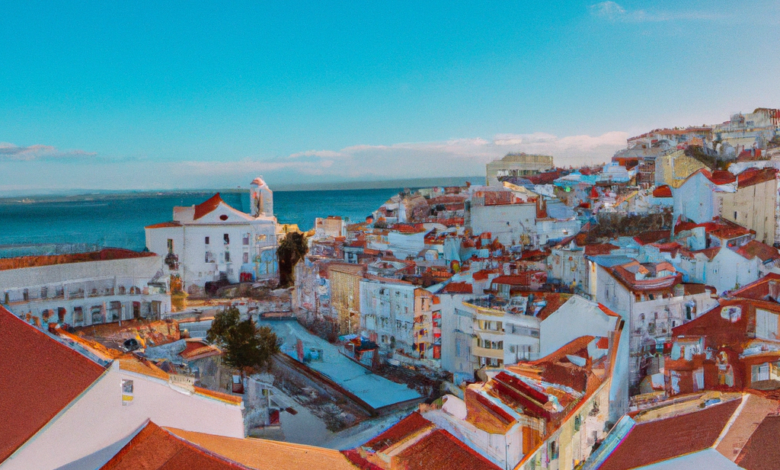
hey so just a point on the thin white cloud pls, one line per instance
(406, 160)
(457, 157)
(11, 152)
(615, 12)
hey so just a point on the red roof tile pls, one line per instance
(405, 428)
(440, 450)
(652, 236)
(458, 288)
(761, 451)
(164, 225)
(155, 448)
(49, 260)
(755, 248)
(667, 438)
(40, 377)
(600, 249)
(753, 176)
(207, 206)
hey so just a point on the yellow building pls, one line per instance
(345, 296)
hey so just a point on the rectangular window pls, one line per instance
(207, 240)
(246, 239)
(246, 257)
(127, 392)
(227, 256)
(226, 239)
(170, 246)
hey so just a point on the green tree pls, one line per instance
(291, 250)
(246, 346)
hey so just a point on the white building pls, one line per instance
(212, 241)
(65, 405)
(85, 288)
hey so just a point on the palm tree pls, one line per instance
(292, 249)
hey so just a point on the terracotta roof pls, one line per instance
(755, 248)
(207, 206)
(730, 232)
(105, 254)
(458, 288)
(198, 350)
(662, 439)
(40, 377)
(753, 176)
(600, 249)
(662, 191)
(440, 450)
(571, 348)
(524, 278)
(760, 289)
(652, 236)
(164, 225)
(265, 454)
(404, 429)
(155, 448)
(761, 451)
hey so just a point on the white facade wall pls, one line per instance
(505, 222)
(104, 291)
(577, 317)
(388, 310)
(695, 200)
(725, 271)
(456, 330)
(251, 243)
(98, 419)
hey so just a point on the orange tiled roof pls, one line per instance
(458, 288)
(164, 225)
(155, 448)
(661, 439)
(266, 454)
(39, 377)
(405, 428)
(440, 450)
(207, 206)
(48, 260)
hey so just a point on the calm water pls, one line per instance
(119, 220)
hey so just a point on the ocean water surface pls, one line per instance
(51, 224)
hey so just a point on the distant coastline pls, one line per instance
(39, 196)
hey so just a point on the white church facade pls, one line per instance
(212, 240)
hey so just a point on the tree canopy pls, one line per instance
(246, 346)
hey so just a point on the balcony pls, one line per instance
(491, 353)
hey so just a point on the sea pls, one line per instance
(66, 224)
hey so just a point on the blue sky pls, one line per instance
(148, 95)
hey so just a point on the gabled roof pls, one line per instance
(761, 450)
(666, 438)
(754, 248)
(265, 454)
(404, 429)
(440, 450)
(208, 206)
(156, 448)
(39, 377)
(458, 288)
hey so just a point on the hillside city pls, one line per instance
(613, 316)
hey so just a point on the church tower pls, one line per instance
(262, 198)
